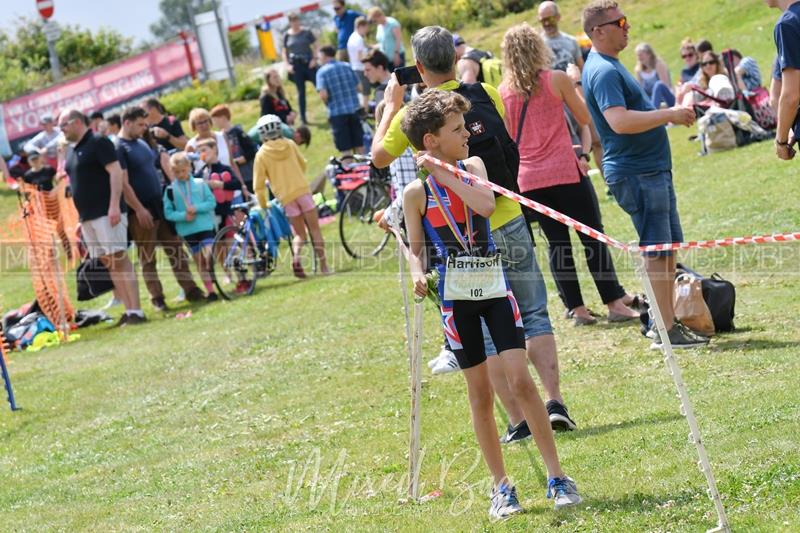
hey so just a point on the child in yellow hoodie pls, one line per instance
(280, 163)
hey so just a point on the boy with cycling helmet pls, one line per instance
(280, 163)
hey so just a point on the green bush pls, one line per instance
(209, 94)
(452, 14)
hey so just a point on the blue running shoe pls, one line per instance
(564, 491)
(504, 502)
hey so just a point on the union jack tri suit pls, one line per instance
(461, 318)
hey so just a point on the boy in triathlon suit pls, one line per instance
(447, 221)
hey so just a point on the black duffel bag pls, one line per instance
(719, 295)
(92, 279)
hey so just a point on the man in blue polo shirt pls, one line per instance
(636, 153)
(338, 88)
(787, 41)
(344, 20)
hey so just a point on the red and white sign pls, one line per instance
(99, 89)
(45, 8)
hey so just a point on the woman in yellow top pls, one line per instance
(280, 163)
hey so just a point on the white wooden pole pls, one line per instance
(416, 397)
(686, 405)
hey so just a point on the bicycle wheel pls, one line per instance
(236, 262)
(360, 234)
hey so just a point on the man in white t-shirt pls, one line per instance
(564, 46)
(356, 50)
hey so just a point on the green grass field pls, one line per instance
(288, 411)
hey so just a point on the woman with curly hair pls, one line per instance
(550, 173)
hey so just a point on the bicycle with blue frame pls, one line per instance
(248, 250)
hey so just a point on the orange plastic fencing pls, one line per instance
(4, 347)
(50, 223)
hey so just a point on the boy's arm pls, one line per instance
(480, 199)
(413, 201)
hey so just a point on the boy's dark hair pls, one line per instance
(736, 53)
(328, 51)
(704, 46)
(305, 135)
(211, 143)
(115, 120)
(132, 113)
(376, 58)
(96, 115)
(156, 104)
(429, 112)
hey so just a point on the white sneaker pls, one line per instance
(446, 363)
(113, 302)
(181, 297)
(442, 354)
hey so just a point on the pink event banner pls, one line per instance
(100, 88)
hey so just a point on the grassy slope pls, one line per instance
(201, 425)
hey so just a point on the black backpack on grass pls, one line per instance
(719, 295)
(489, 138)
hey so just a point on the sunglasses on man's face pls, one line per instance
(621, 22)
(62, 125)
(687, 56)
(548, 20)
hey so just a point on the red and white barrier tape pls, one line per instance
(602, 237)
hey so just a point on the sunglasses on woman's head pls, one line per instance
(621, 22)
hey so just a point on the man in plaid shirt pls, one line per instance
(338, 88)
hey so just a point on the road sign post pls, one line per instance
(51, 32)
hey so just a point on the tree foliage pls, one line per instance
(175, 17)
(25, 61)
(240, 42)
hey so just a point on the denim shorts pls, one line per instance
(649, 199)
(513, 242)
(348, 133)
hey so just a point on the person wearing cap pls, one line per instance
(46, 141)
(40, 174)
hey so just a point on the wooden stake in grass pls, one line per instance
(416, 395)
(683, 395)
